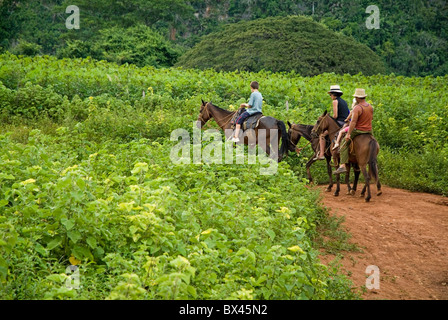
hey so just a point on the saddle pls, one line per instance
(352, 146)
(251, 122)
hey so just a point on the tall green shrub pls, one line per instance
(279, 44)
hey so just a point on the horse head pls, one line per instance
(294, 136)
(321, 124)
(204, 114)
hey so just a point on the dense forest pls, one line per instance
(411, 38)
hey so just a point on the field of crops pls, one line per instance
(86, 179)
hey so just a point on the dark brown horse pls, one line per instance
(363, 151)
(295, 132)
(224, 117)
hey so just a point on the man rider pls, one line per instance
(361, 124)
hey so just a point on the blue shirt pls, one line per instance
(256, 102)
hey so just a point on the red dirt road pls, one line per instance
(404, 233)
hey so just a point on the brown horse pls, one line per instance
(363, 150)
(295, 132)
(224, 117)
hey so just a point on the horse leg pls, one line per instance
(347, 179)
(337, 162)
(355, 182)
(330, 172)
(280, 156)
(378, 184)
(367, 185)
(373, 165)
(267, 149)
(266, 145)
(363, 191)
(271, 152)
(308, 170)
(330, 175)
(338, 185)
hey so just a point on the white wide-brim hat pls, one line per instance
(360, 93)
(335, 89)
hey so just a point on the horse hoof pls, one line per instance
(352, 192)
(367, 199)
(328, 190)
(336, 194)
(379, 193)
(362, 195)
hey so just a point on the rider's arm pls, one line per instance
(248, 105)
(355, 114)
(335, 109)
(349, 116)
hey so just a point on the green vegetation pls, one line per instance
(300, 45)
(144, 228)
(138, 45)
(86, 117)
(411, 40)
(106, 31)
(86, 179)
(408, 123)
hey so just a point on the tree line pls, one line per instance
(411, 38)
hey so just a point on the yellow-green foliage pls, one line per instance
(96, 193)
(86, 179)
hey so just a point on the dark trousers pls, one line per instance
(244, 116)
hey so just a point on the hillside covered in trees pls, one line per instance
(411, 38)
(282, 44)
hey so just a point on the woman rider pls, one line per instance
(340, 113)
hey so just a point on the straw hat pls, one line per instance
(335, 89)
(360, 93)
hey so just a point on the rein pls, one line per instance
(210, 115)
(230, 116)
(330, 133)
(298, 150)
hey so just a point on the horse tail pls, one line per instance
(373, 163)
(285, 138)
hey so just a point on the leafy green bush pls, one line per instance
(26, 48)
(32, 101)
(76, 49)
(135, 223)
(425, 169)
(139, 45)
